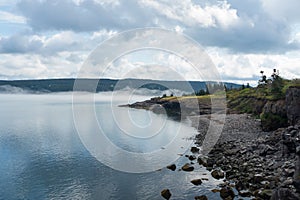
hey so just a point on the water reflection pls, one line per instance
(42, 157)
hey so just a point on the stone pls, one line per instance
(194, 150)
(217, 174)
(245, 193)
(257, 178)
(172, 167)
(192, 157)
(187, 167)
(202, 197)
(166, 194)
(197, 181)
(202, 161)
(227, 193)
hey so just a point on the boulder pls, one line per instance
(166, 194)
(194, 149)
(187, 167)
(202, 197)
(172, 167)
(217, 174)
(192, 157)
(227, 193)
(202, 161)
(197, 181)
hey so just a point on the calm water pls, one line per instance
(42, 156)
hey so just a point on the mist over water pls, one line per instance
(42, 156)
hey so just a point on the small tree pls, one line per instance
(277, 84)
(263, 79)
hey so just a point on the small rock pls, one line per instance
(258, 178)
(197, 181)
(166, 194)
(203, 197)
(172, 167)
(215, 190)
(217, 174)
(187, 167)
(194, 150)
(227, 193)
(192, 157)
(245, 193)
(202, 161)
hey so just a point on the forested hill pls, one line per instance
(65, 85)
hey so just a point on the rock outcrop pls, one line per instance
(274, 115)
(293, 105)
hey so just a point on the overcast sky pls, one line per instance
(52, 38)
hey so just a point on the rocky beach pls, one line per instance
(253, 155)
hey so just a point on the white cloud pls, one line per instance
(242, 37)
(7, 17)
(191, 14)
(244, 68)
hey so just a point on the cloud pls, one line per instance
(287, 10)
(7, 17)
(248, 26)
(52, 44)
(80, 16)
(51, 38)
(191, 14)
(20, 44)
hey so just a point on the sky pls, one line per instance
(53, 38)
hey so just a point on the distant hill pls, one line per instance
(66, 85)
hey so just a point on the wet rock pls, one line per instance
(227, 193)
(187, 167)
(202, 161)
(194, 150)
(197, 181)
(172, 167)
(215, 190)
(166, 194)
(217, 174)
(203, 197)
(192, 157)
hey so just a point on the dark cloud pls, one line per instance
(19, 44)
(260, 37)
(255, 32)
(83, 17)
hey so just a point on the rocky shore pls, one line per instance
(258, 164)
(262, 165)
